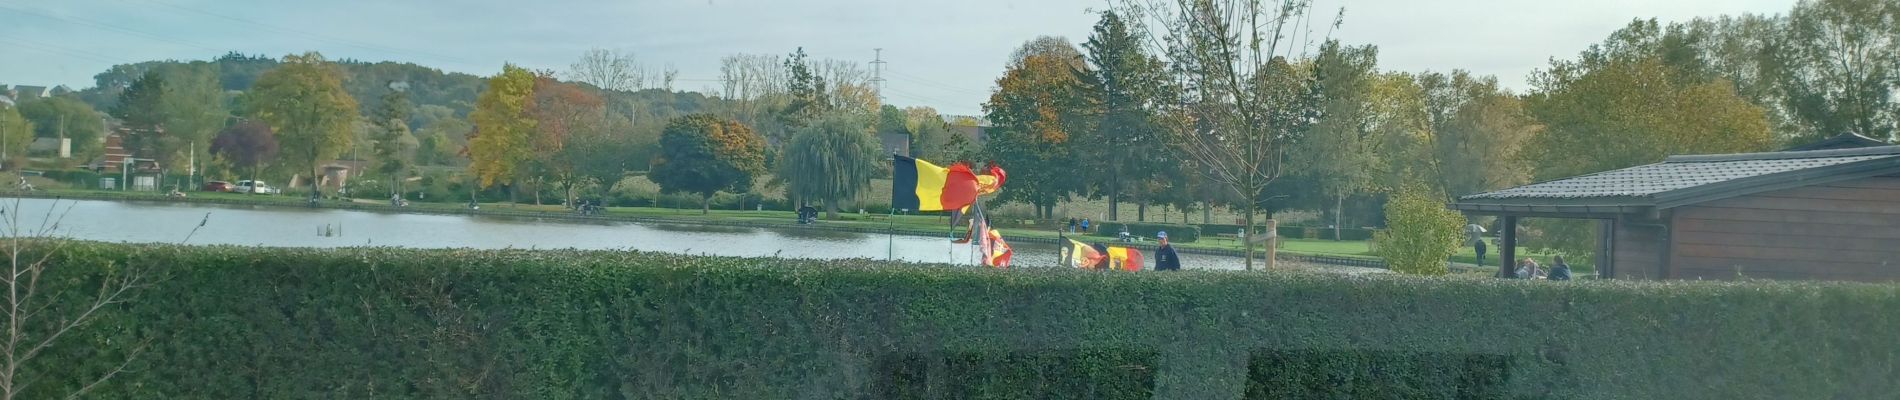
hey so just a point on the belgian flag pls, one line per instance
(922, 186)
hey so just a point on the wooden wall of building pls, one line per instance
(1638, 250)
(1840, 231)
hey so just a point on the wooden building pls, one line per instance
(1818, 214)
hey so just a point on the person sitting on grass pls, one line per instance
(1559, 271)
(1527, 269)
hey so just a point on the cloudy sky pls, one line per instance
(942, 54)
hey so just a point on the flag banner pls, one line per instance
(1076, 254)
(1123, 258)
(922, 186)
(996, 252)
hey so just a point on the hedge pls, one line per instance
(234, 322)
(1176, 233)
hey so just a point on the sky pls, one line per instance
(943, 54)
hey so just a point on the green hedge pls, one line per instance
(231, 322)
(1176, 233)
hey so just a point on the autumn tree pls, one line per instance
(304, 102)
(564, 114)
(830, 160)
(1034, 112)
(704, 154)
(249, 145)
(504, 131)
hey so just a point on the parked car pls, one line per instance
(254, 187)
(217, 186)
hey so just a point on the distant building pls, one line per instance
(1848, 140)
(24, 92)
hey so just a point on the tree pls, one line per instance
(830, 160)
(1627, 113)
(1034, 112)
(303, 100)
(66, 117)
(563, 114)
(806, 88)
(15, 133)
(141, 111)
(1834, 64)
(704, 154)
(1341, 155)
(395, 146)
(194, 109)
(1478, 133)
(1421, 234)
(608, 70)
(1123, 87)
(503, 135)
(249, 145)
(1242, 100)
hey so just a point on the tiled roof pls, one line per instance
(1684, 172)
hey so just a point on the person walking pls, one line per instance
(1559, 271)
(1474, 237)
(1085, 225)
(1165, 258)
(1071, 225)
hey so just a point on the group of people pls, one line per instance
(1527, 268)
(1073, 224)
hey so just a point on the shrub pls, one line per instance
(1176, 233)
(245, 322)
(1420, 232)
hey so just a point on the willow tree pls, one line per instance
(1243, 102)
(830, 160)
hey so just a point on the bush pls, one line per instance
(246, 322)
(1421, 233)
(1176, 233)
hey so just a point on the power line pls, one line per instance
(69, 52)
(313, 35)
(106, 27)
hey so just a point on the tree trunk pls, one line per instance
(538, 182)
(705, 205)
(1141, 212)
(1207, 212)
(1114, 205)
(831, 209)
(1248, 239)
(1339, 208)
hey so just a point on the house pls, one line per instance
(1814, 214)
(24, 92)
